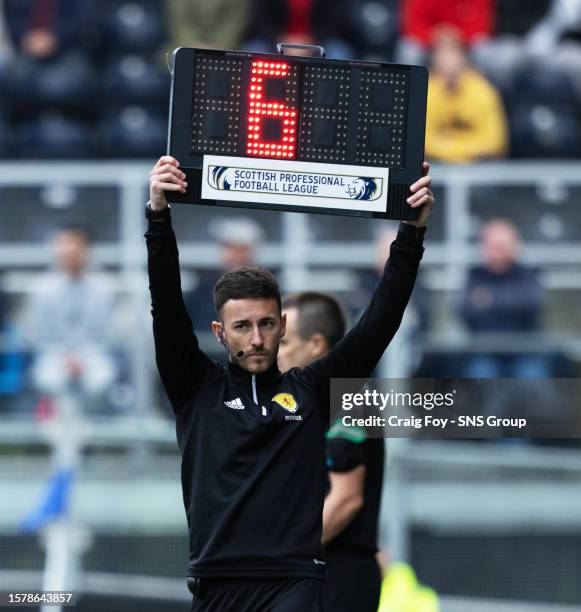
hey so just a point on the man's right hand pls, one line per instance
(165, 176)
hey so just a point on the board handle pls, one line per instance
(280, 47)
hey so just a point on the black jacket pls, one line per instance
(345, 452)
(253, 447)
(514, 300)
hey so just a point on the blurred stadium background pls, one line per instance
(90, 495)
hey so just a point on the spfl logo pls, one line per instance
(219, 178)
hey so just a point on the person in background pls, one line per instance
(306, 22)
(45, 29)
(562, 21)
(238, 239)
(465, 119)
(502, 295)
(197, 23)
(69, 324)
(421, 20)
(314, 324)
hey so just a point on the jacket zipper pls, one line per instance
(255, 396)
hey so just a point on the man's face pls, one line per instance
(295, 352)
(235, 256)
(254, 326)
(70, 252)
(499, 247)
(449, 62)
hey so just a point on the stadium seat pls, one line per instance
(537, 82)
(513, 20)
(53, 135)
(566, 59)
(5, 139)
(135, 79)
(377, 24)
(540, 212)
(499, 59)
(542, 131)
(65, 83)
(136, 26)
(133, 132)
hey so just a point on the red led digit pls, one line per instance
(260, 109)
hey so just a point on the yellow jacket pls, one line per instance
(465, 124)
(401, 592)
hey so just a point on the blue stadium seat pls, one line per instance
(133, 132)
(134, 26)
(377, 25)
(67, 82)
(6, 150)
(538, 83)
(542, 131)
(135, 79)
(55, 136)
(499, 59)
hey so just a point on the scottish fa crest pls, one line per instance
(286, 401)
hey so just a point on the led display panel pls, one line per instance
(297, 133)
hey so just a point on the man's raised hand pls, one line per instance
(422, 196)
(165, 176)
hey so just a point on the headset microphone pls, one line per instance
(223, 342)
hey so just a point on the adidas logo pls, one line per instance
(235, 404)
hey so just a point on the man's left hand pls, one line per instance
(422, 196)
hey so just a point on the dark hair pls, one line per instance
(318, 313)
(79, 231)
(244, 283)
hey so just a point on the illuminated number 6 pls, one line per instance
(261, 109)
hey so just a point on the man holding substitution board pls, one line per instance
(253, 439)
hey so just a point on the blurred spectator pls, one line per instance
(50, 38)
(44, 29)
(70, 325)
(562, 21)
(545, 37)
(502, 295)
(465, 118)
(421, 19)
(307, 22)
(238, 239)
(198, 23)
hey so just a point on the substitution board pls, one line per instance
(304, 134)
